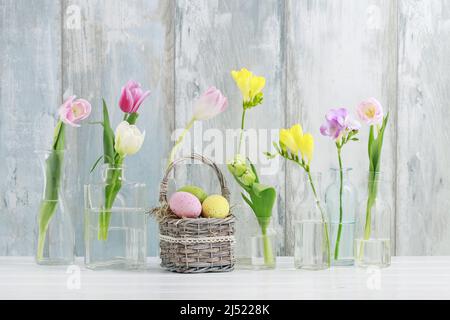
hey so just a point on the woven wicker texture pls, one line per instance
(195, 245)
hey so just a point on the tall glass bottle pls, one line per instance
(311, 231)
(55, 243)
(373, 228)
(341, 202)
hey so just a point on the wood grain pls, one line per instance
(30, 92)
(332, 61)
(315, 55)
(423, 177)
(213, 38)
(119, 41)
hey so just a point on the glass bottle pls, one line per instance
(341, 202)
(311, 231)
(55, 243)
(121, 241)
(264, 249)
(373, 228)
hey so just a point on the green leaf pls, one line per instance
(278, 148)
(53, 170)
(252, 166)
(247, 200)
(270, 155)
(263, 199)
(108, 137)
(59, 136)
(259, 188)
(95, 164)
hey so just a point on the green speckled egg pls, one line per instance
(196, 191)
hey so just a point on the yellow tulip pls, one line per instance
(249, 84)
(296, 141)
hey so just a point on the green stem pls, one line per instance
(367, 226)
(178, 142)
(268, 252)
(341, 186)
(372, 195)
(112, 188)
(242, 130)
(327, 238)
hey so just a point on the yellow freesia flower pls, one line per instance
(296, 141)
(249, 84)
(287, 140)
(307, 147)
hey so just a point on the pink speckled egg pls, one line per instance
(185, 205)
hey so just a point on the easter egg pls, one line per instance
(215, 206)
(185, 205)
(196, 191)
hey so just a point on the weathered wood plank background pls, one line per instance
(315, 54)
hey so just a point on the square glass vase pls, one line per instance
(116, 237)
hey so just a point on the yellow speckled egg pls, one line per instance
(215, 206)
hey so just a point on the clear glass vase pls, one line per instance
(264, 250)
(373, 231)
(55, 243)
(116, 237)
(341, 201)
(311, 231)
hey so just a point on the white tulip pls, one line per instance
(128, 139)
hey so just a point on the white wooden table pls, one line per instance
(407, 278)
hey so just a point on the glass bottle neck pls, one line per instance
(336, 173)
(111, 173)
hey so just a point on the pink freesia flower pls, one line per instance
(210, 104)
(72, 111)
(370, 111)
(132, 97)
(338, 122)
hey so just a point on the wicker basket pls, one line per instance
(195, 245)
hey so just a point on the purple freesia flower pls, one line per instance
(337, 123)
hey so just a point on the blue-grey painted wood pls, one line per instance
(314, 54)
(423, 220)
(213, 38)
(118, 41)
(30, 89)
(332, 61)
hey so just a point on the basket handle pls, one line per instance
(194, 156)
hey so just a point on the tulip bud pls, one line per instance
(132, 97)
(248, 178)
(242, 171)
(210, 104)
(128, 139)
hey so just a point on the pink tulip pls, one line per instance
(132, 97)
(72, 111)
(210, 104)
(370, 111)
